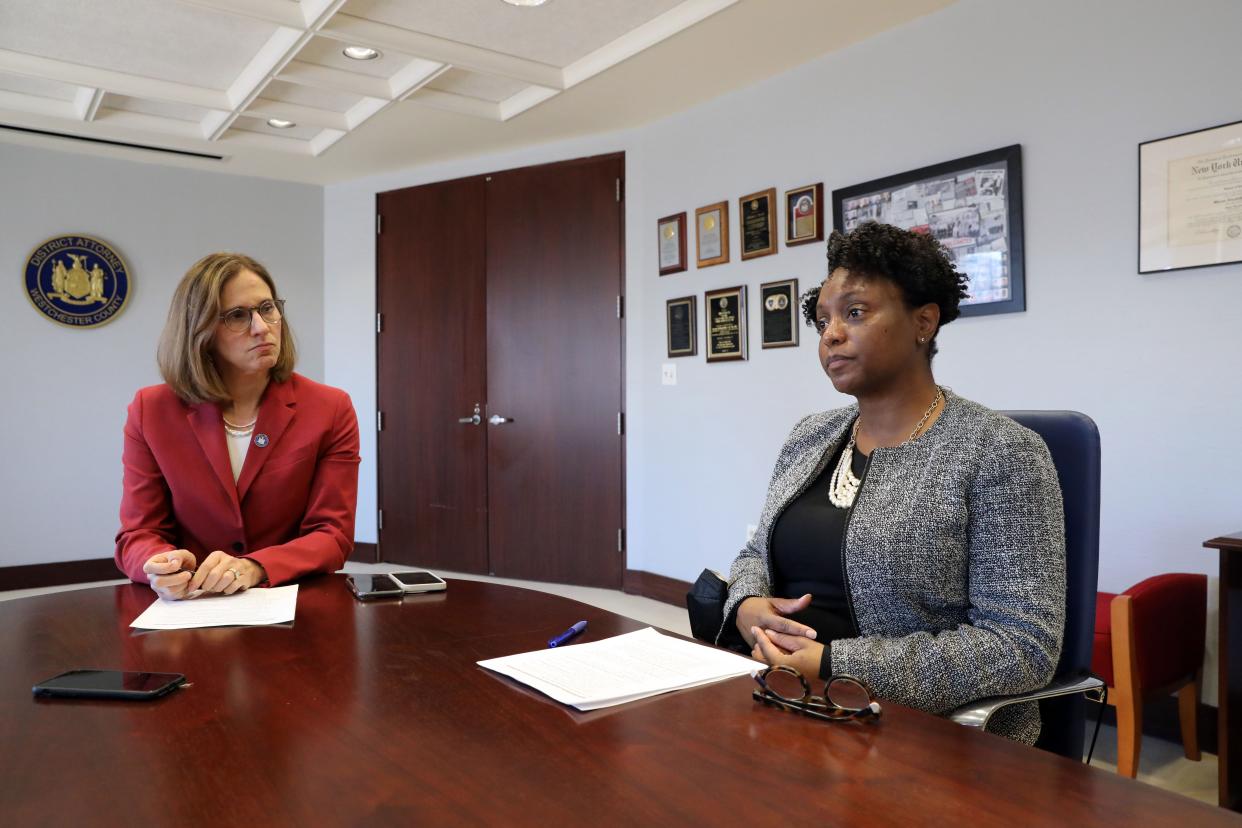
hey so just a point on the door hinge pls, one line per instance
(620, 422)
(381, 519)
(618, 191)
(379, 224)
(379, 420)
(620, 540)
(379, 323)
(620, 307)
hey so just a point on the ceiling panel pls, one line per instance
(557, 33)
(310, 96)
(38, 86)
(178, 112)
(151, 38)
(327, 52)
(476, 85)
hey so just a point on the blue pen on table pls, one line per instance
(568, 634)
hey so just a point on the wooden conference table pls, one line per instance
(376, 713)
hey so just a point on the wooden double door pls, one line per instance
(500, 347)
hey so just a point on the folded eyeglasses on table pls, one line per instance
(844, 699)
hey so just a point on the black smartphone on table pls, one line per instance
(371, 587)
(109, 684)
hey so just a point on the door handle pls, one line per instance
(475, 419)
(496, 419)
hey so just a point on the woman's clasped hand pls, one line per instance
(173, 574)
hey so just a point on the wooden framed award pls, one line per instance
(725, 313)
(779, 312)
(712, 234)
(804, 215)
(758, 212)
(680, 315)
(671, 243)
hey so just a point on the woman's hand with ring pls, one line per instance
(223, 573)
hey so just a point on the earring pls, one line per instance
(922, 339)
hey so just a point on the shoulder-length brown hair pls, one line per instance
(184, 353)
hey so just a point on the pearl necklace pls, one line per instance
(843, 487)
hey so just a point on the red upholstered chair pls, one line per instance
(1148, 643)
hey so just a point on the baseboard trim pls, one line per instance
(61, 573)
(33, 576)
(656, 587)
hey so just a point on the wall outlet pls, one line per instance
(668, 373)
(751, 529)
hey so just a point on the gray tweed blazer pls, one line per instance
(954, 560)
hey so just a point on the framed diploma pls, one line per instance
(758, 212)
(803, 215)
(726, 323)
(680, 318)
(973, 205)
(1190, 199)
(672, 243)
(712, 234)
(779, 311)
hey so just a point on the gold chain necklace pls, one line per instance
(843, 487)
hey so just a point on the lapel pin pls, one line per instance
(260, 440)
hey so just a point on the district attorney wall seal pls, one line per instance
(77, 281)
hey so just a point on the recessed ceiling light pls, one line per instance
(526, 2)
(361, 53)
(280, 123)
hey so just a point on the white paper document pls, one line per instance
(249, 608)
(621, 669)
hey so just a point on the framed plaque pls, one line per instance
(972, 205)
(804, 215)
(712, 234)
(1190, 200)
(725, 311)
(680, 315)
(758, 212)
(671, 243)
(779, 310)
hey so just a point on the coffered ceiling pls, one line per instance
(264, 87)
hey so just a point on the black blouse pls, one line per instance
(805, 550)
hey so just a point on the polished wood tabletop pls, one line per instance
(370, 713)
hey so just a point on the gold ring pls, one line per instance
(236, 574)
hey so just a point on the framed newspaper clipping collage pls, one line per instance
(972, 205)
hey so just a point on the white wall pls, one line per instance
(65, 390)
(1151, 358)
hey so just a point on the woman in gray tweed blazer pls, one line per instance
(914, 540)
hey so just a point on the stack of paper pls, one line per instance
(249, 608)
(621, 669)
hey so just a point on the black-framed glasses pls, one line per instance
(270, 311)
(845, 698)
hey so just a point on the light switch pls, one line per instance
(668, 373)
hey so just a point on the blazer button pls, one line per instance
(238, 546)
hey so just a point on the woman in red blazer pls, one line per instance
(238, 472)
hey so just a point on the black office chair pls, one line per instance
(1074, 442)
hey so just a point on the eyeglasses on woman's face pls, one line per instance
(845, 698)
(270, 311)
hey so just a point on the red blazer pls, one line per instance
(291, 509)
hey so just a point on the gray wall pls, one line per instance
(1078, 85)
(65, 390)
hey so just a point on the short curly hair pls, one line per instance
(920, 267)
